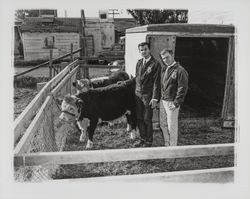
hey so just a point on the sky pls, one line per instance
(90, 12)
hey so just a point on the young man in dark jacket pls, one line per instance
(174, 86)
(147, 92)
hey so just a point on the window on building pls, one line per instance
(49, 42)
(117, 47)
(103, 16)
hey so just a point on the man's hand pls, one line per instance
(153, 103)
(120, 82)
(172, 106)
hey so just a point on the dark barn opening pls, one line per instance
(205, 59)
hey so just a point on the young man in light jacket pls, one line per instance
(174, 86)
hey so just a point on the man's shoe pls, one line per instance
(140, 143)
(148, 144)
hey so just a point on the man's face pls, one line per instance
(167, 58)
(144, 50)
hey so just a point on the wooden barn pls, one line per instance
(41, 34)
(100, 34)
(205, 51)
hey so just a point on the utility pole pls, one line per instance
(113, 12)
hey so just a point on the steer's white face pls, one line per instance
(69, 109)
(83, 85)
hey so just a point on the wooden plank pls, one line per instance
(67, 39)
(64, 81)
(159, 42)
(101, 66)
(228, 124)
(32, 39)
(185, 28)
(96, 66)
(112, 155)
(25, 141)
(218, 175)
(195, 35)
(228, 110)
(22, 122)
(227, 83)
(63, 73)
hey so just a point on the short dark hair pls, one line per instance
(143, 44)
(165, 50)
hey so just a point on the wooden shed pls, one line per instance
(41, 34)
(100, 34)
(206, 51)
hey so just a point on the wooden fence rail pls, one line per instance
(48, 62)
(218, 175)
(79, 157)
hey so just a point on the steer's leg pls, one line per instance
(91, 130)
(131, 123)
(83, 127)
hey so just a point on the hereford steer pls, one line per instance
(106, 103)
(83, 85)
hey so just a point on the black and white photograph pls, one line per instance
(105, 94)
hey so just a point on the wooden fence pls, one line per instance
(80, 157)
(114, 155)
(46, 108)
(50, 63)
(38, 147)
(22, 122)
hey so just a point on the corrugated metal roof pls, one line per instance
(58, 25)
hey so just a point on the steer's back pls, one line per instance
(112, 79)
(109, 102)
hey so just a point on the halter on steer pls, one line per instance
(58, 106)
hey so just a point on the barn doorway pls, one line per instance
(205, 59)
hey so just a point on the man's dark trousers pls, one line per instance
(148, 87)
(144, 117)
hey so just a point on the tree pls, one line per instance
(21, 14)
(156, 16)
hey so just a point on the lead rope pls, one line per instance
(58, 106)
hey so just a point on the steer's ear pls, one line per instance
(59, 100)
(79, 102)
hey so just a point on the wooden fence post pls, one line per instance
(85, 68)
(50, 63)
(71, 52)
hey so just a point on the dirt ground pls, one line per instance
(192, 131)
(22, 97)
